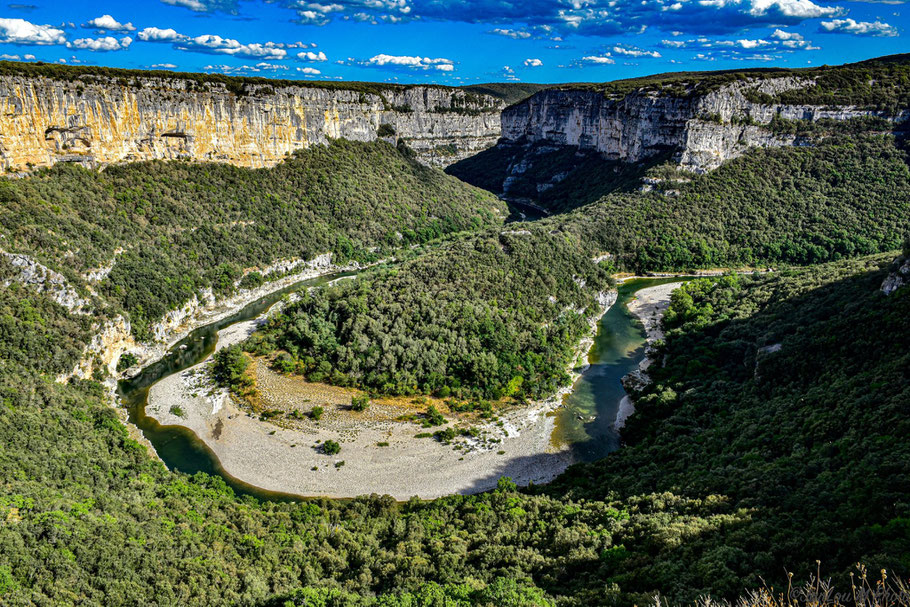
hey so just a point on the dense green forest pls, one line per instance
(176, 228)
(485, 316)
(741, 461)
(787, 394)
(844, 196)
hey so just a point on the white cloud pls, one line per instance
(859, 28)
(516, 34)
(750, 44)
(106, 22)
(309, 71)
(154, 34)
(107, 43)
(782, 35)
(20, 31)
(598, 60)
(214, 44)
(416, 62)
(632, 51)
(246, 69)
(206, 6)
(533, 62)
(746, 49)
(311, 56)
(799, 9)
(8, 57)
(163, 66)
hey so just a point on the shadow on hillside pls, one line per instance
(525, 174)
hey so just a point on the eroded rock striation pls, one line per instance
(699, 130)
(96, 120)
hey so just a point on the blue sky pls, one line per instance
(451, 41)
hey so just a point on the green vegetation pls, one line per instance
(841, 198)
(879, 84)
(739, 463)
(126, 361)
(330, 447)
(433, 417)
(316, 413)
(230, 370)
(785, 397)
(175, 228)
(36, 332)
(773, 434)
(360, 402)
(487, 316)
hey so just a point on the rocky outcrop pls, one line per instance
(33, 275)
(96, 120)
(701, 131)
(114, 338)
(898, 277)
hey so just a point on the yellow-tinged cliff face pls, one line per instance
(99, 120)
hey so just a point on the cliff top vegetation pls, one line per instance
(246, 85)
(880, 83)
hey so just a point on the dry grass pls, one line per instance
(864, 591)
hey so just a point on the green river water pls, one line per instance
(585, 422)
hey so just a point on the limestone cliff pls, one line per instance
(96, 120)
(700, 130)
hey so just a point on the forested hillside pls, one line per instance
(741, 461)
(787, 396)
(843, 197)
(496, 308)
(172, 229)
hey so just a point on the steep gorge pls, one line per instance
(593, 138)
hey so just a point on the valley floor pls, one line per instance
(282, 459)
(289, 460)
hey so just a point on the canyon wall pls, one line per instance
(98, 120)
(701, 131)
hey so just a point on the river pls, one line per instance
(586, 421)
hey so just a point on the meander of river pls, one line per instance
(585, 422)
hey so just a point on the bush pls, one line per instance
(316, 413)
(126, 361)
(433, 417)
(360, 403)
(330, 447)
(230, 370)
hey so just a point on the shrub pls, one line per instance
(360, 403)
(330, 447)
(126, 361)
